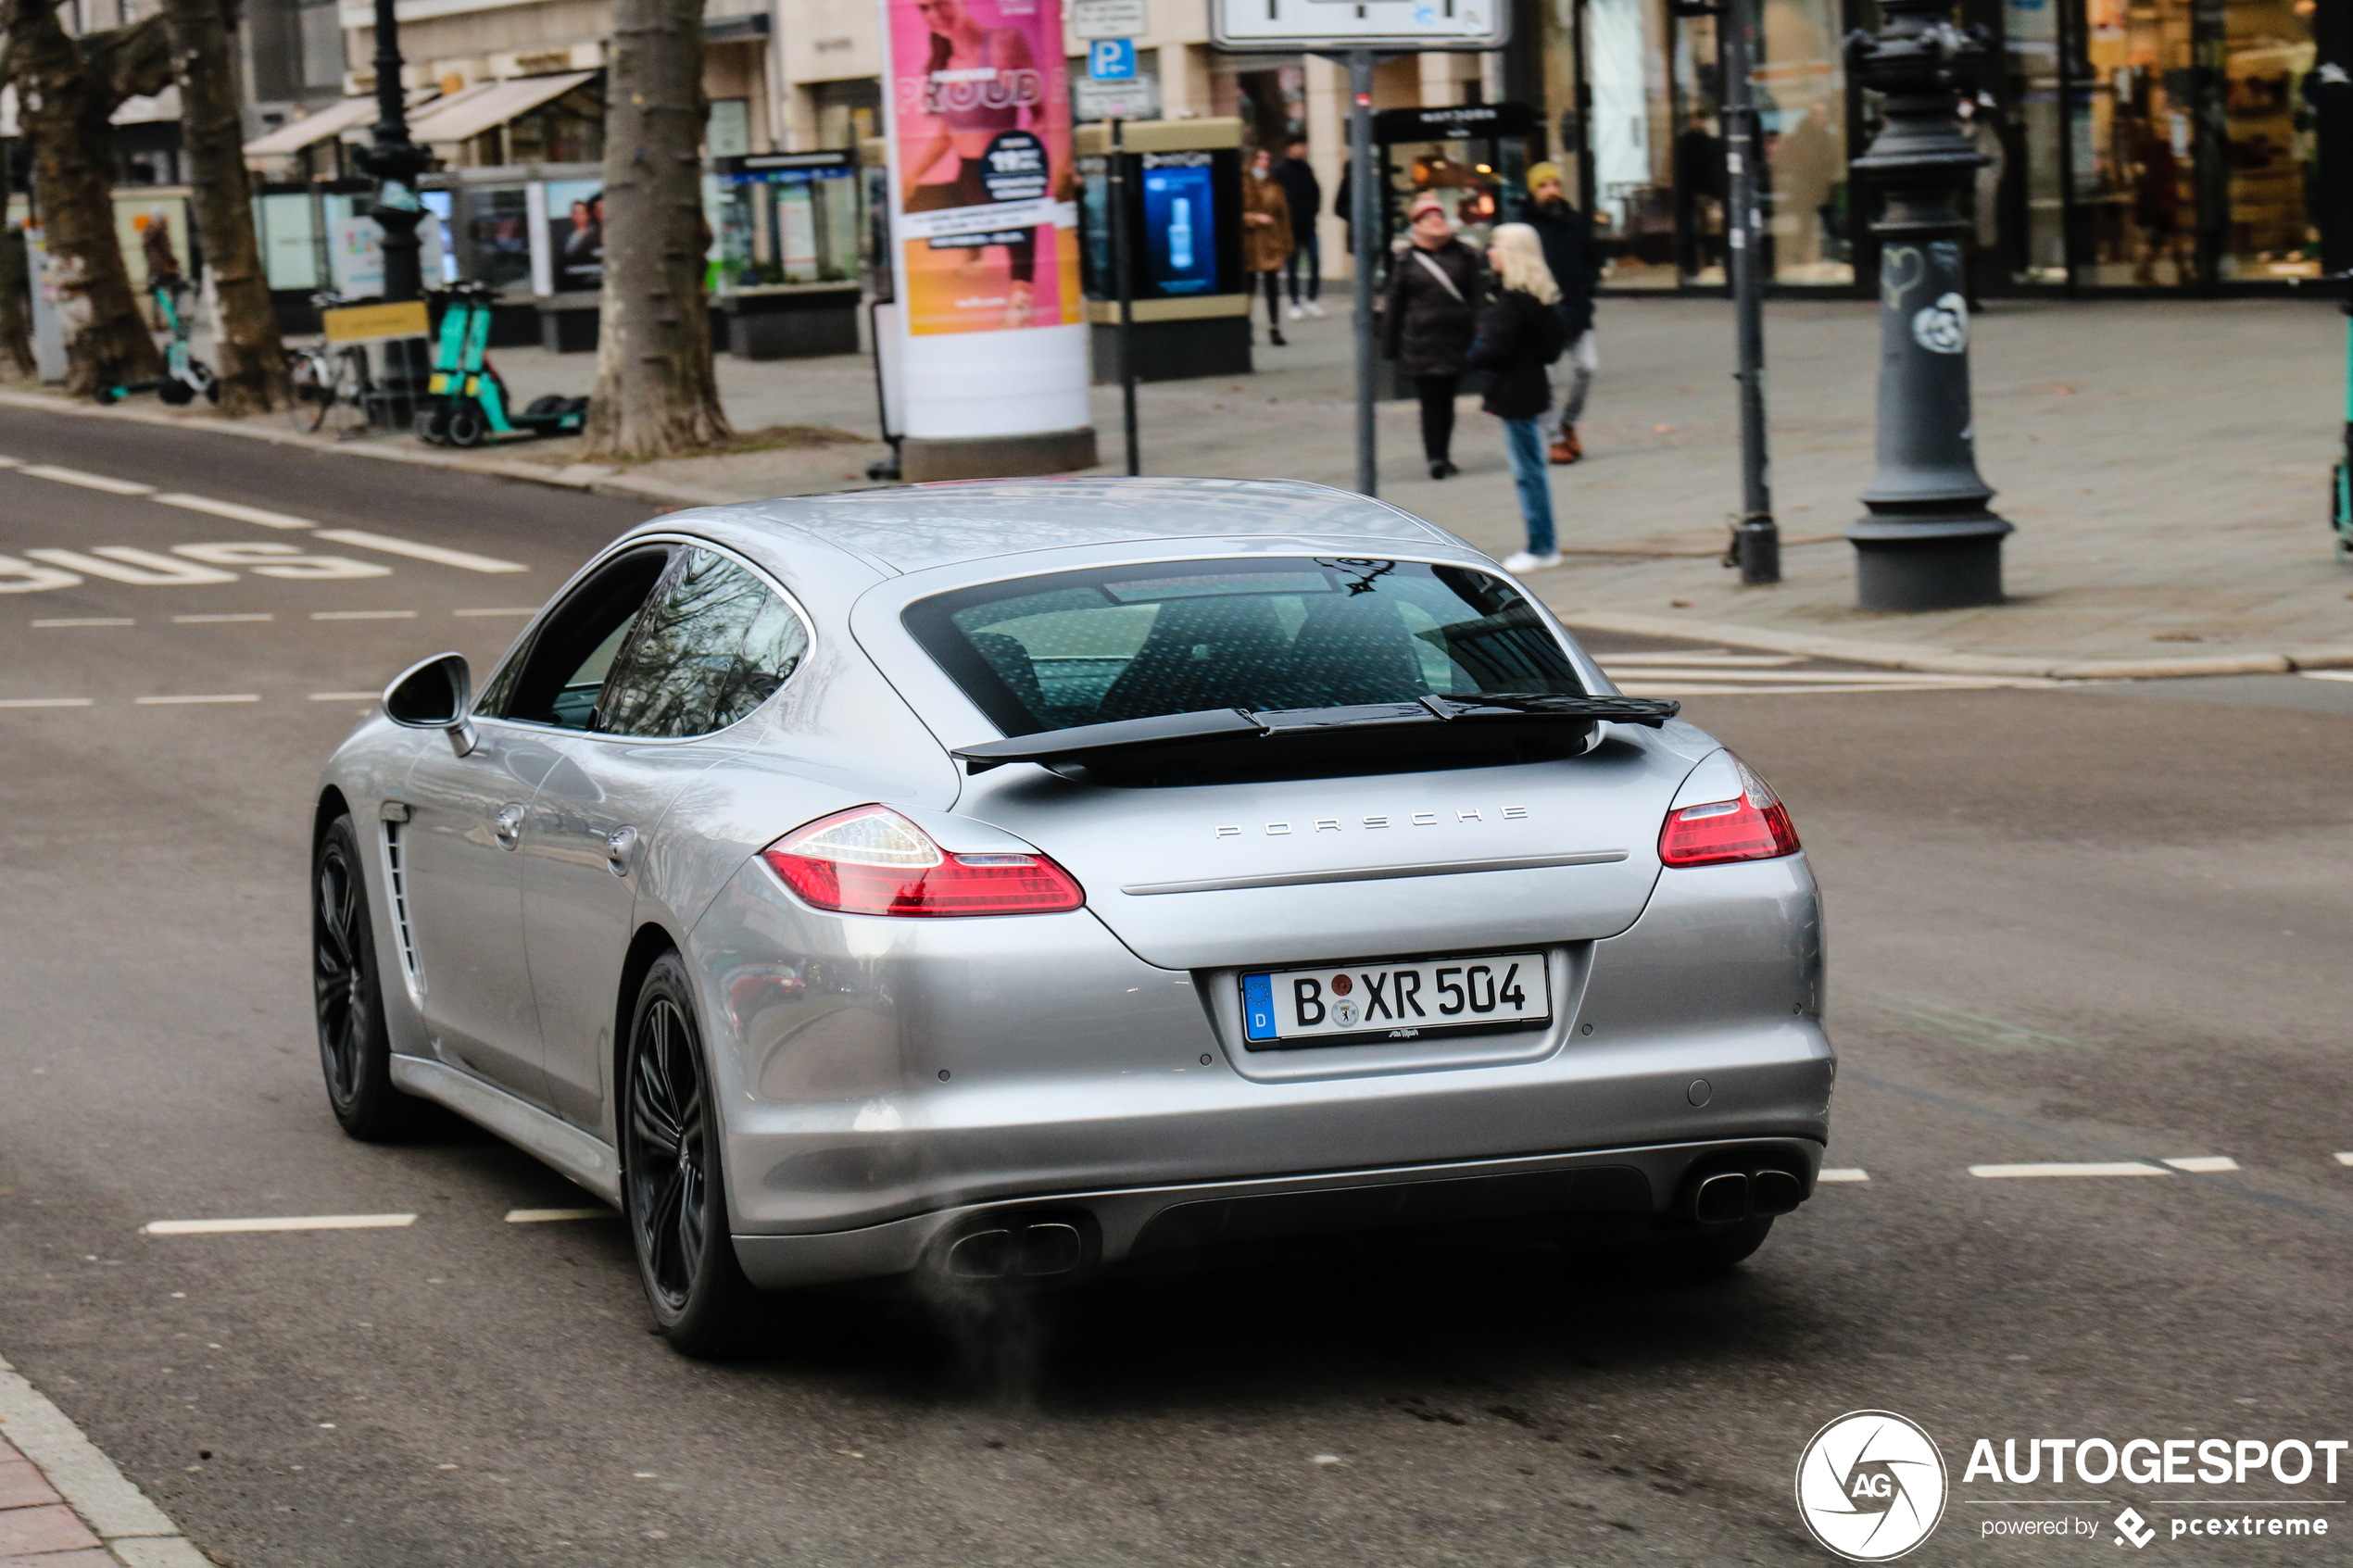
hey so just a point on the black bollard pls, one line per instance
(1928, 542)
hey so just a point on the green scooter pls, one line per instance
(466, 400)
(185, 376)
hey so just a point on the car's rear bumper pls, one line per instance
(1606, 1192)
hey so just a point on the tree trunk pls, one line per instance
(65, 90)
(655, 392)
(16, 327)
(253, 360)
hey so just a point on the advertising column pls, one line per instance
(985, 230)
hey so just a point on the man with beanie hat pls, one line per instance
(1568, 237)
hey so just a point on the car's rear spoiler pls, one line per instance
(1220, 723)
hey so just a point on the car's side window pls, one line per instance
(713, 644)
(562, 672)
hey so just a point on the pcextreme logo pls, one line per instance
(1870, 1485)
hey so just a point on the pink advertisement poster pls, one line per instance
(988, 221)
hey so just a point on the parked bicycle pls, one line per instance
(332, 387)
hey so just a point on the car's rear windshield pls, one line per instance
(1136, 642)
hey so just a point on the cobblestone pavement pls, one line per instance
(2166, 463)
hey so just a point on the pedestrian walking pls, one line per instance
(1429, 319)
(1575, 265)
(1519, 337)
(1266, 237)
(1305, 193)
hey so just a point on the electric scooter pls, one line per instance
(184, 375)
(466, 399)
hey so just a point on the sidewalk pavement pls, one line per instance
(63, 1504)
(2166, 462)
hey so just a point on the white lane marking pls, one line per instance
(2081, 1168)
(416, 551)
(2326, 674)
(2199, 1164)
(1712, 658)
(462, 613)
(181, 701)
(217, 620)
(117, 1512)
(363, 615)
(11, 462)
(44, 702)
(343, 696)
(91, 621)
(89, 480)
(140, 569)
(1845, 1174)
(543, 1216)
(2344, 1158)
(255, 515)
(278, 1223)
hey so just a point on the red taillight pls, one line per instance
(871, 860)
(1753, 825)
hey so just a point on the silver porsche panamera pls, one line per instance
(1005, 881)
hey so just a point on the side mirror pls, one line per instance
(435, 695)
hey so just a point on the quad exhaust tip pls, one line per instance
(1730, 1197)
(1032, 1250)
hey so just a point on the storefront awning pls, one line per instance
(297, 135)
(478, 109)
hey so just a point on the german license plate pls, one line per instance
(1377, 1004)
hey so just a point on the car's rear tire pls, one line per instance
(355, 1049)
(673, 1184)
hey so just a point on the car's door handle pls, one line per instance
(506, 825)
(620, 846)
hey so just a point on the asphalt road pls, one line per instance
(2067, 925)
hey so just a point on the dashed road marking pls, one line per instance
(2073, 1168)
(2203, 1164)
(44, 702)
(257, 516)
(217, 620)
(140, 569)
(89, 620)
(278, 1223)
(343, 696)
(2344, 1158)
(544, 1216)
(2326, 674)
(1842, 1174)
(415, 551)
(463, 614)
(11, 462)
(88, 480)
(181, 700)
(363, 615)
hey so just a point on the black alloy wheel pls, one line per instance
(355, 1049)
(672, 1190)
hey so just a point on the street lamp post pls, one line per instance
(396, 162)
(1928, 542)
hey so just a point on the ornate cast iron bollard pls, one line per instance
(1928, 542)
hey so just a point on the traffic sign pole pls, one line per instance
(1119, 243)
(1365, 248)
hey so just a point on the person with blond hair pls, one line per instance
(1520, 334)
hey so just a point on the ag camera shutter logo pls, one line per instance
(1872, 1486)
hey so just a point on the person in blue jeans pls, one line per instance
(1519, 335)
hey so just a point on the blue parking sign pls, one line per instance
(1110, 59)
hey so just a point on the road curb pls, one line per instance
(591, 477)
(139, 1534)
(1946, 661)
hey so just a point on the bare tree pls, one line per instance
(654, 392)
(253, 359)
(67, 89)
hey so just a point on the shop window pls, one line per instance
(727, 133)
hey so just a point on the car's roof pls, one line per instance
(913, 527)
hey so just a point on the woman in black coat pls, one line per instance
(1429, 317)
(1519, 337)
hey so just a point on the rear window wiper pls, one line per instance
(1234, 723)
